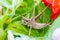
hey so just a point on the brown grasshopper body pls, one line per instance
(32, 23)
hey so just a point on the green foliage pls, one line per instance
(26, 7)
(13, 10)
(3, 34)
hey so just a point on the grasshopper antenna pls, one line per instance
(33, 15)
(36, 17)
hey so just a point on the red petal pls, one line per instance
(55, 9)
(54, 6)
(54, 15)
(46, 2)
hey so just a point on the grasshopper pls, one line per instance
(32, 21)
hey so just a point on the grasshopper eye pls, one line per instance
(25, 22)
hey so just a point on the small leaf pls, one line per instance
(2, 34)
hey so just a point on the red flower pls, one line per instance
(54, 15)
(46, 2)
(55, 7)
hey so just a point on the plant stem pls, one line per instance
(30, 31)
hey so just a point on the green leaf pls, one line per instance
(17, 27)
(3, 20)
(2, 34)
(45, 17)
(25, 8)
